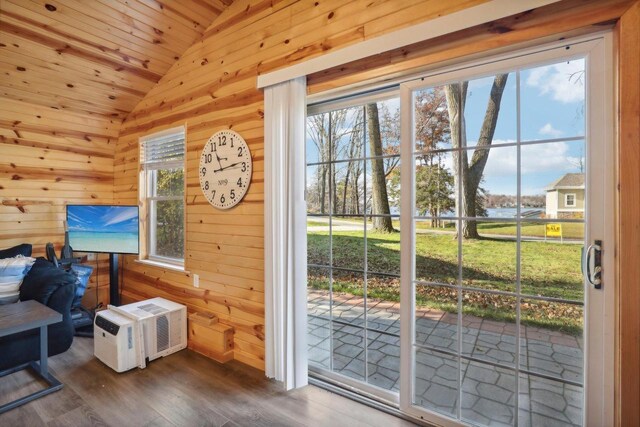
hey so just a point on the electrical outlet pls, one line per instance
(91, 256)
(196, 280)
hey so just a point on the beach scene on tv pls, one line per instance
(97, 228)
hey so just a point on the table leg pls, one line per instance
(44, 350)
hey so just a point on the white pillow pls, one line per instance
(16, 266)
(9, 299)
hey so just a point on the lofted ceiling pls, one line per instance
(96, 57)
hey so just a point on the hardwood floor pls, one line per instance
(184, 389)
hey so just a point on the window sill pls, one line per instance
(164, 265)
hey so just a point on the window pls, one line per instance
(162, 195)
(570, 200)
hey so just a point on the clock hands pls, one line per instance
(220, 158)
(227, 167)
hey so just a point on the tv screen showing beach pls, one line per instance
(99, 228)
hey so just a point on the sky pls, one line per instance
(551, 107)
(105, 219)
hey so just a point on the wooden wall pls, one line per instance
(49, 158)
(213, 87)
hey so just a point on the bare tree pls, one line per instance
(469, 174)
(380, 198)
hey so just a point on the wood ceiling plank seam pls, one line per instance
(277, 19)
(242, 15)
(414, 14)
(86, 35)
(17, 126)
(89, 56)
(44, 162)
(66, 148)
(186, 11)
(74, 69)
(95, 32)
(60, 104)
(53, 154)
(111, 99)
(160, 23)
(65, 174)
(144, 35)
(175, 15)
(35, 116)
(41, 138)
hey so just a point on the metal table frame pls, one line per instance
(41, 320)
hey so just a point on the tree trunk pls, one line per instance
(467, 175)
(380, 199)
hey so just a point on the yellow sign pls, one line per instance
(553, 230)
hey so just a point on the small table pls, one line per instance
(21, 317)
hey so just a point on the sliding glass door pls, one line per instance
(448, 221)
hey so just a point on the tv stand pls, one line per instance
(114, 287)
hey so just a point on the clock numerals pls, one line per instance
(239, 151)
(231, 142)
(232, 194)
(213, 195)
(213, 147)
(203, 171)
(208, 158)
(244, 167)
(222, 199)
(222, 140)
(239, 182)
(206, 185)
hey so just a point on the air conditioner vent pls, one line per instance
(162, 331)
(152, 308)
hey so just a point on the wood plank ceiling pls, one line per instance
(96, 57)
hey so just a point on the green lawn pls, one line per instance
(548, 269)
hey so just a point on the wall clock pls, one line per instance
(225, 169)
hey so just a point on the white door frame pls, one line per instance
(598, 406)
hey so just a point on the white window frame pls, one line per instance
(147, 183)
(566, 200)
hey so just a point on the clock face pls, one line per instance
(225, 169)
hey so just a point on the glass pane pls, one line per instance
(550, 171)
(552, 339)
(348, 350)
(435, 186)
(496, 95)
(383, 187)
(318, 189)
(348, 193)
(348, 297)
(436, 318)
(317, 138)
(436, 253)
(383, 303)
(488, 394)
(545, 402)
(489, 327)
(318, 240)
(319, 316)
(169, 232)
(436, 381)
(383, 249)
(552, 100)
(383, 128)
(495, 184)
(490, 262)
(347, 242)
(551, 266)
(169, 182)
(347, 133)
(431, 117)
(383, 359)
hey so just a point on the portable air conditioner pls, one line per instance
(164, 325)
(115, 341)
(158, 328)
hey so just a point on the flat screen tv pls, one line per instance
(103, 228)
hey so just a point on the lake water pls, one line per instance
(91, 241)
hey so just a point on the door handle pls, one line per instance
(593, 264)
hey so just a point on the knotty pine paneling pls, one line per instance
(49, 158)
(213, 87)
